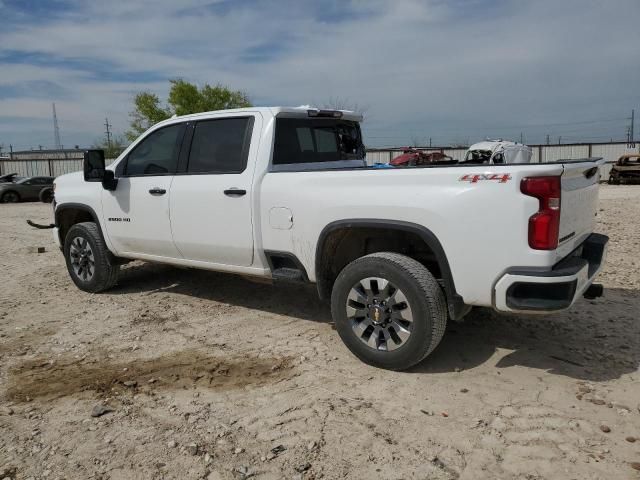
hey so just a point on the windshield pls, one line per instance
(478, 156)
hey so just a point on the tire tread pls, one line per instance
(432, 293)
(103, 258)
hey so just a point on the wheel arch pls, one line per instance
(335, 232)
(11, 191)
(68, 214)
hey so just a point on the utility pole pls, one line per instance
(107, 125)
(547, 139)
(56, 130)
(429, 142)
(521, 138)
(632, 119)
(11, 151)
(559, 139)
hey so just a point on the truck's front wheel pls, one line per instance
(88, 259)
(389, 310)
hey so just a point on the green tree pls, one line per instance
(184, 98)
(111, 149)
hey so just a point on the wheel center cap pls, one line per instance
(376, 314)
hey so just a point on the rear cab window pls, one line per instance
(314, 144)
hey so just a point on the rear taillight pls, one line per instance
(544, 226)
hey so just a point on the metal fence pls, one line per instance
(541, 153)
(610, 152)
(45, 168)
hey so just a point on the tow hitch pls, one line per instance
(41, 227)
(594, 291)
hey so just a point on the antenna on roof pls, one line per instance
(56, 129)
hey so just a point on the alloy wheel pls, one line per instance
(379, 314)
(82, 259)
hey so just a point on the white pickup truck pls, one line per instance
(285, 193)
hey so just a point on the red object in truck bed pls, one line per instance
(419, 157)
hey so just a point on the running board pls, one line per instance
(289, 275)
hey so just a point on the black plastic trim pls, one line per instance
(457, 307)
(75, 206)
(589, 253)
(185, 149)
(541, 296)
(273, 254)
(556, 295)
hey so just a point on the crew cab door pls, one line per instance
(136, 213)
(211, 193)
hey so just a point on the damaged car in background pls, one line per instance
(626, 169)
(498, 151)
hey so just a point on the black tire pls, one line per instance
(613, 181)
(10, 197)
(104, 273)
(423, 294)
(46, 195)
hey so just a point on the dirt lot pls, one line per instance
(213, 376)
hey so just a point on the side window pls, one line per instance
(326, 140)
(157, 154)
(220, 146)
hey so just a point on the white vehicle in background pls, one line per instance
(285, 194)
(498, 151)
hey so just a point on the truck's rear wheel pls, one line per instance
(389, 310)
(88, 259)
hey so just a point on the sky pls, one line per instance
(453, 71)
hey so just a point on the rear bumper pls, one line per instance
(531, 290)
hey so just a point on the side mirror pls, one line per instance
(95, 171)
(109, 181)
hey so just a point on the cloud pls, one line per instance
(454, 71)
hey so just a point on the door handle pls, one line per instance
(235, 192)
(157, 191)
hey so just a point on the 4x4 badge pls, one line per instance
(476, 177)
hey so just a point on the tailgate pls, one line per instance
(579, 203)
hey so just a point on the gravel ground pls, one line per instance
(204, 375)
